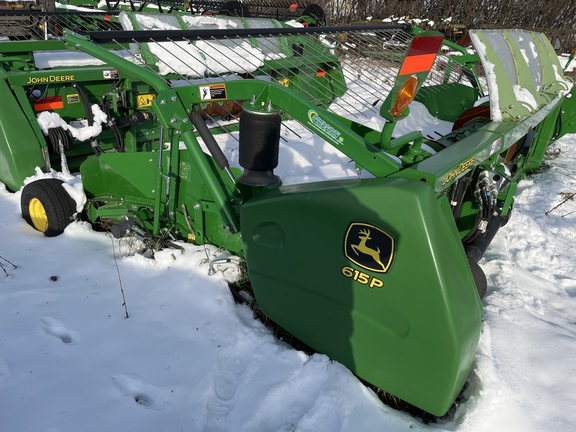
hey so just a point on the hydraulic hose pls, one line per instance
(119, 139)
(111, 123)
(209, 140)
(211, 143)
(476, 249)
(85, 103)
(57, 136)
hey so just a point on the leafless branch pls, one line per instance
(566, 196)
(1, 265)
(119, 279)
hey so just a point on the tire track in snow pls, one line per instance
(287, 403)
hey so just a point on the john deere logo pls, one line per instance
(369, 247)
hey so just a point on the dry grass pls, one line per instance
(2, 265)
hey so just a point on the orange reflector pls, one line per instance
(293, 7)
(320, 73)
(49, 103)
(421, 55)
(106, 18)
(405, 96)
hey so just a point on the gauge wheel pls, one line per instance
(235, 9)
(47, 207)
(315, 11)
(479, 278)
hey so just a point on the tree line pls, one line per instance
(472, 13)
(541, 14)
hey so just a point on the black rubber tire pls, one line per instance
(315, 11)
(234, 8)
(479, 278)
(58, 206)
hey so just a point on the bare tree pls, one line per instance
(556, 18)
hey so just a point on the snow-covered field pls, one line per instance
(190, 359)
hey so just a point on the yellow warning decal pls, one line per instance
(145, 100)
(73, 98)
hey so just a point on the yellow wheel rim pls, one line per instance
(38, 215)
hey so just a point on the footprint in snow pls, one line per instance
(54, 327)
(140, 390)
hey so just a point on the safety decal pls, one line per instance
(110, 74)
(211, 92)
(73, 98)
(145, 100)
(495, 145)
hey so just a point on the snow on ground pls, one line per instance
(190, 359)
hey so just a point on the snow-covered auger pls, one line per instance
(374, 263)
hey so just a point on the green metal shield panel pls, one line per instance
(20, 150)
(522, 71)
(372, 273)
(448, 104)
(568, 114)
(121, 175)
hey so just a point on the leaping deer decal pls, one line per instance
(364, 235)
